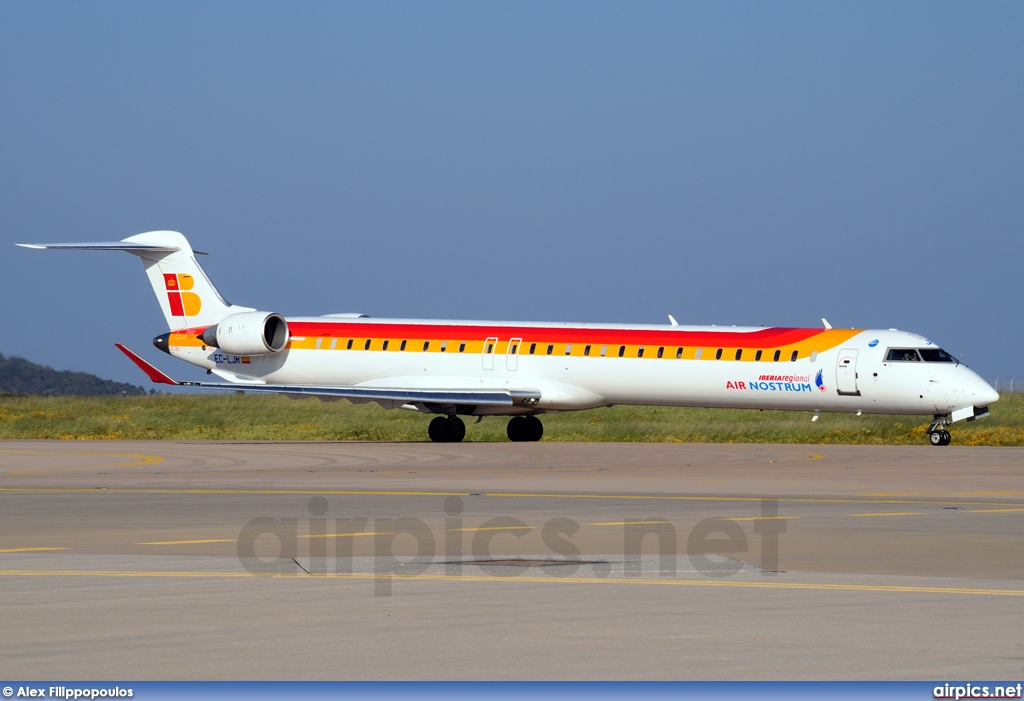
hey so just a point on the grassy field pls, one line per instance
(234, 417)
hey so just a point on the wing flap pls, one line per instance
(479, 397)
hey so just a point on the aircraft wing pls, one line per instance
(394, 395)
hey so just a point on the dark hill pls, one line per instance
(19, 376)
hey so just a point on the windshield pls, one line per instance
(935, 355)
(903, 355)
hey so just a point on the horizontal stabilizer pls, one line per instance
(103, 246)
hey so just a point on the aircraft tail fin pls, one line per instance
(186, 295)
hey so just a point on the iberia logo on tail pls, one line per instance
(183, 302)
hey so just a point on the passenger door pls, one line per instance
(846, 373)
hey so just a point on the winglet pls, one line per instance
(825, 322)
(672, 320)
(154, 374)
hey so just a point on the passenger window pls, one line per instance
(568, 349)
(402, 347)
(586, 350)
(604, 351)
(551, 348)
(426, 346)
(679, 353)
(444, 346)
(334, 343)
(718, 354)
(699, 353)
(661, 351)
(366, 346)
(384, 346)
(319, 342)
(348, 346)
(462, 346)
(640, 352)
(814, 356)
(757, 355)
(533, 347)
(622, 351)
(793, 357)
(739, 354)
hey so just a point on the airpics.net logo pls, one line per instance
(406, 548)
(182, 301)
(977, 691)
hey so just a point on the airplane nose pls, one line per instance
(985, 394)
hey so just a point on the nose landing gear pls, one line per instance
(937, 433)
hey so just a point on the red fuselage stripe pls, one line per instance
(765, 338)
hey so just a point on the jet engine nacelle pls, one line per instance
(248, 333)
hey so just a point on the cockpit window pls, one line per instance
(935, 355)
(903, 355)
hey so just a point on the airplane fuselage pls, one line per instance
(579, 366)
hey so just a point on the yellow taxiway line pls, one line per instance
(497, 495)
(780, 586)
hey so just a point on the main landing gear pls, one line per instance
(451, 429)
(937, 433)
(525, 428)
(446, 429)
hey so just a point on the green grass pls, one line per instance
(234, 417)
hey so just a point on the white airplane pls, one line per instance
(522, 370)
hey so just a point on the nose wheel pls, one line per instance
(937, 433)
(446, 429)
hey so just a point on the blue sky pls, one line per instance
(727, 163)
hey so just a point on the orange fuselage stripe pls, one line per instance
(564, 341)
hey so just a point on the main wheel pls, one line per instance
(517, 429)
(440, 429)
(938, 437)
(534, 428)
(445, 429)
(458, 429)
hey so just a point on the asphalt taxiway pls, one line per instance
(132, 560)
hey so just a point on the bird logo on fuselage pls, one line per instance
(819, 381)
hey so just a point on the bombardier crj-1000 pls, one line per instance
(523, 370)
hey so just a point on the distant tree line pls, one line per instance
(19, 376)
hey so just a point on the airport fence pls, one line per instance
(1007, 384)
